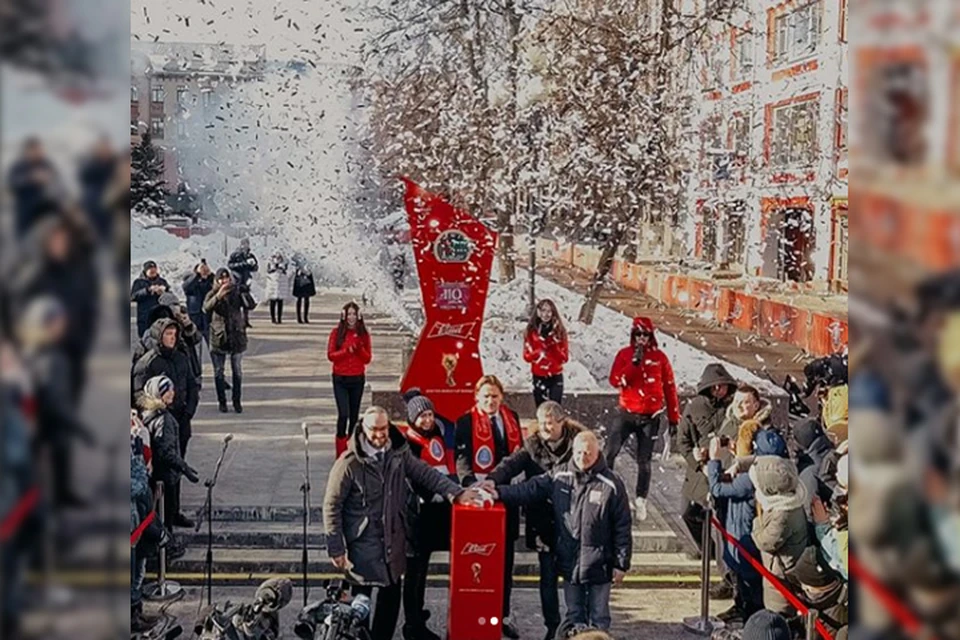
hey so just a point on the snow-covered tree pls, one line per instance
(147, 193)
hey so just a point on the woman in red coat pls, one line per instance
(547, 349)
(350, 352)
(644, 377)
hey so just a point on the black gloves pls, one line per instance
(191, 474)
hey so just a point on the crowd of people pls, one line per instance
(777, 489)
(49, 319)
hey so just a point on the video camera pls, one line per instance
(336, 617)
(257, 621)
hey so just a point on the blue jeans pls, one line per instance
(138, 569)
(236, 368)
(588, 604)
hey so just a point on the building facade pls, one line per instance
(172, 82)
(907, 141)
(767, 191)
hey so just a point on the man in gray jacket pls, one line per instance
(593, 539)
(363, 512)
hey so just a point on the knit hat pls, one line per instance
(843, 472)
(223, 271)
(149, 264)
(766, 625)
(42, 310)
(157, 386)
(768, 442)
(168, 299)
(806, 431)
(417, 404)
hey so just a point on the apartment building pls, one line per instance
(171, 82)
(767, 192)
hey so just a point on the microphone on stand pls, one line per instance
(227, 438)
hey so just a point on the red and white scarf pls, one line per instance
(484, 445)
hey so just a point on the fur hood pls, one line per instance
(778, 484)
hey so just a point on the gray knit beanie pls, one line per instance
(417, 403)
(766, 625)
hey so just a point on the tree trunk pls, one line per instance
(505, 251)
(589, 307)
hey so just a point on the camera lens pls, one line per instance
(305, 629)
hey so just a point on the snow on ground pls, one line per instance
(592, 348)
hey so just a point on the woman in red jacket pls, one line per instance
(547, 349)
(644, 377)
(350, 352)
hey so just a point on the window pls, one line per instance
(157, 94)
(156, 127)
(134, 94)
(844, 20)
(793, 132)
(841, 246)
(797, 33)
(711, 139)
(740, 142)
(182, 95)
(181, 128)
(206, 98)
(734, 233)
(742, 54)
(842, 111)
(898, 98)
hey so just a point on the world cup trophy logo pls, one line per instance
(449, 363)
(477, 569)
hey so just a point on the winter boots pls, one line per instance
(341, 445)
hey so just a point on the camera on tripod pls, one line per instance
(336, 617)
(259, 620)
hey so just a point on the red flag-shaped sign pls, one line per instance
(454, 253)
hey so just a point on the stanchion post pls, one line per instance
(704, 625)
(811, 621)
(165, 589)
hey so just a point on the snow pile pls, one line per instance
(592, 348)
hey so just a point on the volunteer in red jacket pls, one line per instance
(485, 435)
(644, 377)
(547, 349)
(350, 352)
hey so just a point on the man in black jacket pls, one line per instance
(548, 449)
(167, 360)
(703, 419)
(34, 183)
(145, 291)
(243, 264)
(169, 307)
(196, 286)
(594, 541)
(364, 513)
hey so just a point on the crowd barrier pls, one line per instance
(794, 601)
(12, 522)
(816, 332)
(894, 607)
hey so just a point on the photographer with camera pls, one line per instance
(644, 377)
(364, 512)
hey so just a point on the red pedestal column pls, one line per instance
(476, 573)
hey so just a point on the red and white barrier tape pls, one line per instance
(13, 520)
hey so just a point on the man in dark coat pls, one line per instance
(543, 452)
(243, 263)
(145, 291)
(33, 182)
(169, 307)
(166, 359)
(703, 419)
(364, 513)
(228, 336)
(96, 174)
(594, 541)
(196, 286)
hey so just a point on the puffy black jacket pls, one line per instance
(171, 363)
(146, 301)
(189, 338)
(239, 263)
(592, 512)
(365, 508)
(196, 288)
(168, 464)
(228, 327)
(534, 459)
(303, 285)
(57, 415)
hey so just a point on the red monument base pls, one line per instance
(476, 573)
